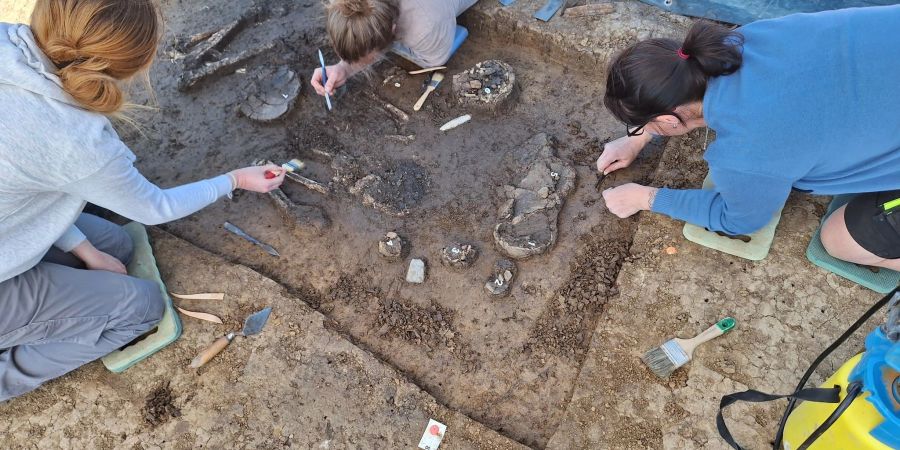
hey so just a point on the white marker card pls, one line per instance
(434, 434)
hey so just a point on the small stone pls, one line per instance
(416, 272)
(500, 281)
(396, 85)
(391, 245)
(475, 84)
(544, 192)
(458, 255)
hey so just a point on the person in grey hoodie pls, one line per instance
(65, 298)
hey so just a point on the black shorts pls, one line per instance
(873, 228)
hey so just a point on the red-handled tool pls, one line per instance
(290, 166)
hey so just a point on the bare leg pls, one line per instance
(838, 242)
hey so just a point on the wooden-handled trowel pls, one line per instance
(252, 325)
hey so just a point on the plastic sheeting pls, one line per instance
(746, 11)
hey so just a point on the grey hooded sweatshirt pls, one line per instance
(55, 156)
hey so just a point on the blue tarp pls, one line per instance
(746, 11)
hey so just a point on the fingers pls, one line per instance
(615, 166)
(331, 85)
(615, 204)
(602, 163)
(316, 82)
(119, 267)
(276, 182)
(269, 185)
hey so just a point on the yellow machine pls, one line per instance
(872, 419)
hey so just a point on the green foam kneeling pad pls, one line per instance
(883, 281)
(143, 265)
(755, 248)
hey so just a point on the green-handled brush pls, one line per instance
(663, 360)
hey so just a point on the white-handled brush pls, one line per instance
(432, 85)
(663, 360)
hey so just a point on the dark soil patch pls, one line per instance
(160, 406)
(566, 326)
(396, 190)
(587, 154)
(429, 327)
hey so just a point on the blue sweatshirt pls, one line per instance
(815, 106)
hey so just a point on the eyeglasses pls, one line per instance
(639, 130)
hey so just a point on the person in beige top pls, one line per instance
(362, 30)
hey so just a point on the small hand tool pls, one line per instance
(663, 360)
(253, 324)
(268, 248)
(324, 79)
(549, 9)
(290, 166)
(432, 85)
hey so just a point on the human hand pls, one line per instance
(620, 153)
(96, 260)
(254, 178)
(627, 199)
(337, 76)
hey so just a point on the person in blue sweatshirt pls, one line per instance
(809, 102)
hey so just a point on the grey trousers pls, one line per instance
(58, 316)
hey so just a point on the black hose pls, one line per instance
(853, 391)
(792, 403)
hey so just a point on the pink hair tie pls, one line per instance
(682, 54)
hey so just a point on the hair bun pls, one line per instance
(352, 8)
(87, 83)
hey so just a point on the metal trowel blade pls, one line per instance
(549, 9)
(256, 321)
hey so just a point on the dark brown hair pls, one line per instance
(651, 78)
(360, 27)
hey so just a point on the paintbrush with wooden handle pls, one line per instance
(432, 85)
(663, 360)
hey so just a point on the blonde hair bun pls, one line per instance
(94, 44)
(352, 8)
(359, 27)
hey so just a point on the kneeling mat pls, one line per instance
(143, 265)
(882, 281)
(753, 246)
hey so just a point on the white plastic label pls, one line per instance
(434, 434)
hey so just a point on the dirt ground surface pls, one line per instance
(299, 384)
(356, 357)
(787, 312)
